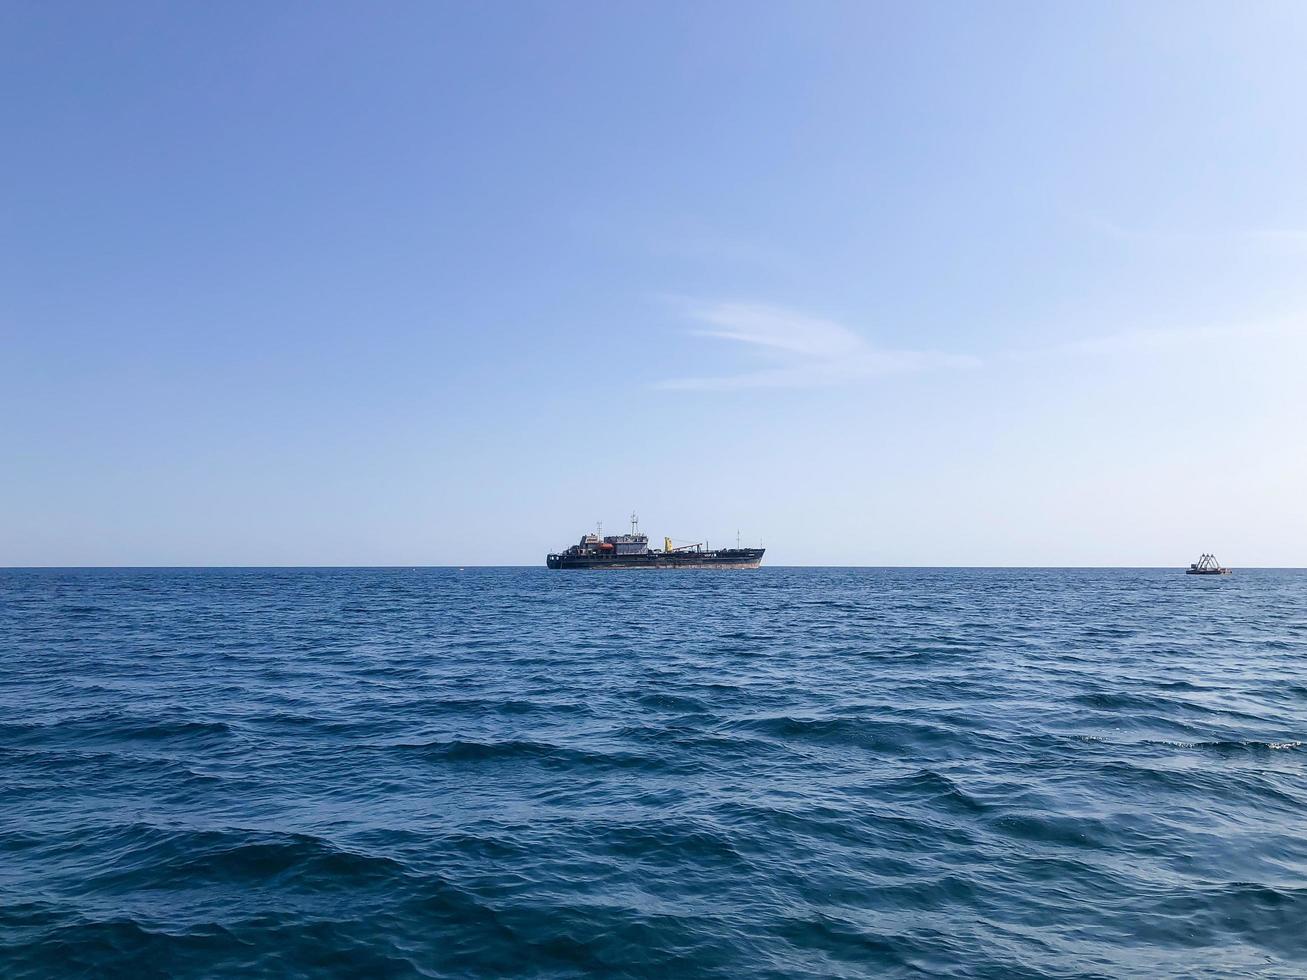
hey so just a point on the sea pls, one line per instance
(791, 772)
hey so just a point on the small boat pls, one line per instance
(1207, 565)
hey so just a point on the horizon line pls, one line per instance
(290, 567)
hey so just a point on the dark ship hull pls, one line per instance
(729, 558)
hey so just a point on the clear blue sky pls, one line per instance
(447, 283)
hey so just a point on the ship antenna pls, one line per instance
(635, 522)
(599, 529)
(737, 539)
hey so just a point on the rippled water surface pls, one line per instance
(789, 772)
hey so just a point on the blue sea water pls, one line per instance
(781, 773)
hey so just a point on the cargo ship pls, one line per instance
(632, 551)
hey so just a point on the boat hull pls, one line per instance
(659, 561)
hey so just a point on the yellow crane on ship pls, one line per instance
(668, 547)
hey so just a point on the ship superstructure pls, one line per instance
(631, 550)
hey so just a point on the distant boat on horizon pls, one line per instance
(1207, 565)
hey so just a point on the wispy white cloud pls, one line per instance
(1161, 340)
(1268, 236)
(791, 349)
(799, 351)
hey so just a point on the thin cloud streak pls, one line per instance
(1294, 237)
(805, 351)
(1158, 340)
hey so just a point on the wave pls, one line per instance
(80, 611)
(116, 727)
(1267, 917)
(1066, 830)
(680, 703)
(1233, 745)
(939, 790)
(146, 856)
(271, 945)
(526, 750)
(866, 733)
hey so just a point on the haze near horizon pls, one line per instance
(446, 284)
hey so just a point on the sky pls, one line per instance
(448, 283)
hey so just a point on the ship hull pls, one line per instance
(736, 558)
